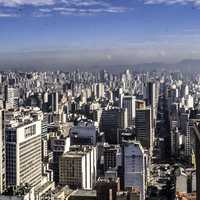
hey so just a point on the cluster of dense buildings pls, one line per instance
(98, 136)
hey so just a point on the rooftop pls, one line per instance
(86, 193)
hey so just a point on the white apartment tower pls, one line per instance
(78, 167)
(23, 153)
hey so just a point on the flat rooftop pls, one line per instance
(82, 193)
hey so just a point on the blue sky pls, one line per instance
(90, 32)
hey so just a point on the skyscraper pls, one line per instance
(144, 129)
(2, 153)
(152, 94)
(134, 166)
(53, 101)
(58, 147)
(128, 102)
(78, 167)
(111, 154)
(111, 121)
(23, 153)
(186, 129)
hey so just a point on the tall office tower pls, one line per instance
(152, 101)
(53, 101)
(185, 126)
(187, 140)
(110, 156)
(157, 95)
(151, 96)
(47, 171)
(128, 102)
(77, 168)
(85, 133)
(144, 130)
(134, 166)
(23, 153)
(174, 125)
(58, 147)
(107, 188)
(2, 154)
(111, 121)
(195, 117)
(175, 134)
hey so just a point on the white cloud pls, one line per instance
(66, 7)
(45, 10)
(172, 2)
(13, 3)
(86, 3)
(90, 11)
(77, 3)
(3, 14)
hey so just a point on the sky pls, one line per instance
(98, 32)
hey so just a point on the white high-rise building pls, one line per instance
(23, 153)
(134, 166)
(78, 167)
